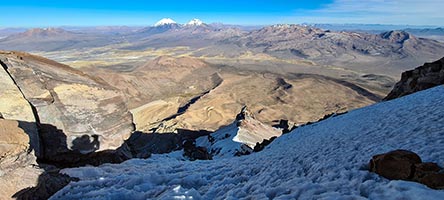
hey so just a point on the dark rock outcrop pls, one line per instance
(142, 145)
(48, 184)
(285, 125)
(192, 152)
(397, 164)
(407, 165)
(427, 76)
(263, 144)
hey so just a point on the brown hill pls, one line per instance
(54, 39)
(297, 98)
(170, 93)
(43, 32)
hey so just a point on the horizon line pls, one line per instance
(228, 24)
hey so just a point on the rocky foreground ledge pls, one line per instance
(53, 113)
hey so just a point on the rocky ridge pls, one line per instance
(359, 52)
(420, 78)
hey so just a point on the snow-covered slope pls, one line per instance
(325, 160)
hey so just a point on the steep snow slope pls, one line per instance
(325, 160)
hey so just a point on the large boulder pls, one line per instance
(14, 106)
(76, 112)
(424, 77)
(14, 143)
(407, 165)
(396, 164)
(17, 161)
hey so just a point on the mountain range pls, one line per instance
(388, 53)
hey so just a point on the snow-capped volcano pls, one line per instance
(165, 21)
(195, 22)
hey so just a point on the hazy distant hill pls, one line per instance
(53, 39)
(430, 32)
(4, 32)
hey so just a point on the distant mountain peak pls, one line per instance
(396, 36)
(49, 29)
(165, 21)
(195, 22)
(43, 32)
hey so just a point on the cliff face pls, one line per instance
(421, 78)
(14, 106)
(74, 112)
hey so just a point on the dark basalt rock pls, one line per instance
(261, 146)
(427, 76)
(48, 184)
(435, 181)
(407, 165)
(396, 164)
(193, 152)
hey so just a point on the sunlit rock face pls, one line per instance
(17, 160)
(76, 112)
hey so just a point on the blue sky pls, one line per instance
(38, 13)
